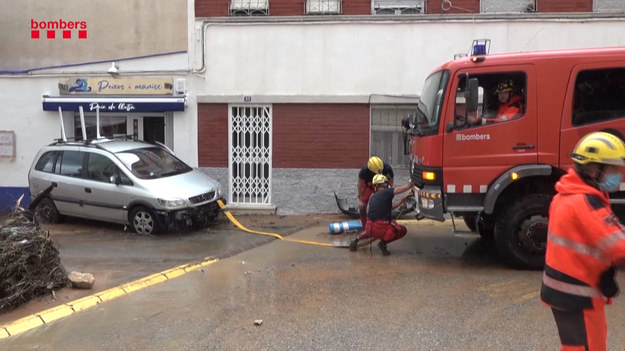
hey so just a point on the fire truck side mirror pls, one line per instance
(407, 122)
(471, 94)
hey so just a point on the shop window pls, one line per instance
(507, 6)
(110, 126)
(249, 7)
(397, 7)
(323, 7)
(599, 96)
(608, 6)
(387, 138)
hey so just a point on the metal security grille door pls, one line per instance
(249, 156)
(387, 138)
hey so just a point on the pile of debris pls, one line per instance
(30, 265)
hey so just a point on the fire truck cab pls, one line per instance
(492, 135)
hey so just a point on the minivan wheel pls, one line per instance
(47, 212)
(144, 221)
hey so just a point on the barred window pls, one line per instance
(323, 7)
(249, 7)
(397, 7)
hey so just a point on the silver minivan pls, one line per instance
(122, 181)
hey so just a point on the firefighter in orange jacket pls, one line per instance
(585, 243)
(510, 105)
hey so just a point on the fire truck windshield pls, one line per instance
(430, 103)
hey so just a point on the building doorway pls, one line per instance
(249, 155)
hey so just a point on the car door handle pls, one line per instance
(523, 147)
(88, 190)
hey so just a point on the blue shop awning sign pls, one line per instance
(115, 104)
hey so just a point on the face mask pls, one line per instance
(611, 182)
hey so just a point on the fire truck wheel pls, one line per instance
(470, 219)
(521, 233)
(485, 226)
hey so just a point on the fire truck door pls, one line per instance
(476, 154)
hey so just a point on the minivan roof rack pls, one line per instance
(86, 141)
(74, 141)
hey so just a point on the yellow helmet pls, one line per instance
(375, 164)
(599, 147)
(503, 87)
(379, 179)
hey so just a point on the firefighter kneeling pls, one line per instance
(585, 243)
(380, 224)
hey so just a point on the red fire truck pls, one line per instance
(497, 169)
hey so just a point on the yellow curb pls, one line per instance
(58, 312)
(84, 303)
(55, 313)
(174, 273)
(24, 324)
(110, 294)
(209, 261)
(155, 279)
(192, 267)
(133, 286)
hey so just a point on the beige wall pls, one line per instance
(116, 29)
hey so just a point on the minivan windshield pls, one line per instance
(430, 103)
(152, 162)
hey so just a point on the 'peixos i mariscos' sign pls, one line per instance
(116, 86)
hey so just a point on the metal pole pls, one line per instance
(62, 125)
(82, 123)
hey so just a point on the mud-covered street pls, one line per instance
(437, 291)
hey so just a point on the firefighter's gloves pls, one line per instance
(607, 283)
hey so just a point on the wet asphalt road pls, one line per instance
(437, 291)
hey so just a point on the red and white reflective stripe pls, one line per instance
(429, 195)
(466, 188)
(578, 247)
(578, 290)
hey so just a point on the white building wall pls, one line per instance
(360, 58)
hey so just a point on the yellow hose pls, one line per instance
(242, 227)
